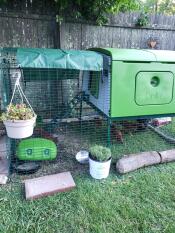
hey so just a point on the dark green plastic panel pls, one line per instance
(154, 88)
(36, 149)
(94, 83)
(33, 74)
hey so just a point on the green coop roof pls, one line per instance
(163, 55)
(60, 59)
(143, 55)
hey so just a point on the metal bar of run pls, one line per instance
(109, 132)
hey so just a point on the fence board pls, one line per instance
(19, 30)
(71, 35)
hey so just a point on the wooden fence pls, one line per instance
(32, 30)
(120, 32)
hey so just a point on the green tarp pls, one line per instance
(60, 59)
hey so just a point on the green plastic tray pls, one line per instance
(36, 149)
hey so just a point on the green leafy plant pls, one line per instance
(143, 20)
(100, 153)
(17, 112)
(93, 10)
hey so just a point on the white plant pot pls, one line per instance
(20, 128)
(99, 170)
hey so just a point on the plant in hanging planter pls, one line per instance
(19, 121)
(17, 112)
(99, 161)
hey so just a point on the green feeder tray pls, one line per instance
(35, 149)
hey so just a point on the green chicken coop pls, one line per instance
(63, 85)
(134, 83)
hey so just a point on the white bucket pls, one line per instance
(99, 170)
(20, 128)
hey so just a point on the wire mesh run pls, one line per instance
(72, 108)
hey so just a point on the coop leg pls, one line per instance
(80, 117)
(109, 132)
(12, 154)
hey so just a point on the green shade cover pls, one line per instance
(60, 59)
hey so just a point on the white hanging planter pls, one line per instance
(99, 170)
(19, 129)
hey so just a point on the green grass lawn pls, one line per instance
(141, 201)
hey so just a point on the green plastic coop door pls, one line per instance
(154, 88)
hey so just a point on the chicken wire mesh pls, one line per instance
(68, 116)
